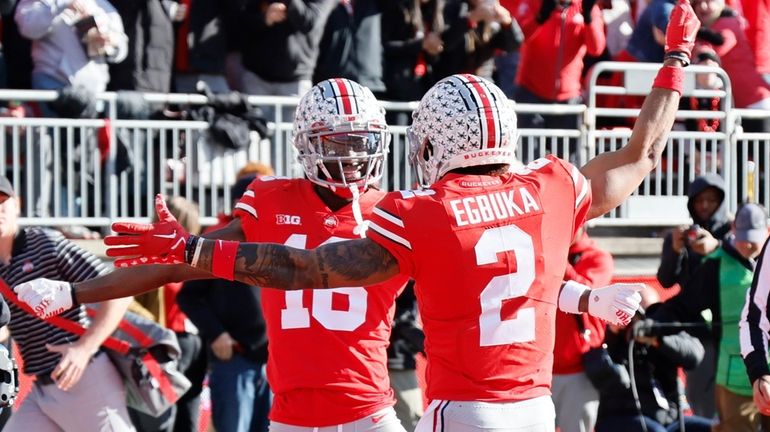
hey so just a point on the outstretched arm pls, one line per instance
(348, 263)
(48, 297)
(130, 281)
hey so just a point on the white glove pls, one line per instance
(45, 296)
(616, 303)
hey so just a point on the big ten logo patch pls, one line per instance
(281, 219)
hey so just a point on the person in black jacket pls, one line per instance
(279, 46)
(683, 251)
(150, 47)
(351, 46)
(229, 318)
(683, 247)
(654, 396)
(489, 28)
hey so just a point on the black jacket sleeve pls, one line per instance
(193, 300)
(670, 264)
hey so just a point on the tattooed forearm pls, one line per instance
(347, 263)
(273, 265)
(356, 260)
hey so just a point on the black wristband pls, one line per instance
(189, 250)
(679, 55)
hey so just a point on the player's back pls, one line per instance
(327, 361)
(488, 257)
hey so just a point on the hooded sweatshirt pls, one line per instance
(679, 267)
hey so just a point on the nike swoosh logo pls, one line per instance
(378, 418)
(168, 236)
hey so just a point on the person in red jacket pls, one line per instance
(575, 398)
(565, 31)
(724, 30)
(555, 44)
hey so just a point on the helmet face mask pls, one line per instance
(462, 121)
(341, 136)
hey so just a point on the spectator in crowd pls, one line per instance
(201, 44)
(288, 33)
(230, 319)
(17, 50)
(720, 284)
(507, 63)
(575, 397)
(76, 387)
(707, 81)
(724, 31)
(565, 31)
(72, 42)
(406, 340)
(150, 32)
(351, 45)
(684, 247)
(649, 35)
(647, 387)
(413, 34)
(683, 250)
(757, 15)
(489, 28)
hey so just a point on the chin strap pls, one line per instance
(361, 225)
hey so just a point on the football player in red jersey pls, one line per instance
(327, 363)
(486, 244)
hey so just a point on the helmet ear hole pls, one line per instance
(427, 150)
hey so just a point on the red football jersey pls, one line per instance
(327, 363)
(487, 255)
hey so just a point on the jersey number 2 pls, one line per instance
(495, 330)
(296, 315)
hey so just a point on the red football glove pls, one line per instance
(160, 243)
(682, 28)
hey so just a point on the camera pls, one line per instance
(692, 232)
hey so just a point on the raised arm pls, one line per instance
(615, 175)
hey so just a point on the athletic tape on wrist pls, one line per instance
(670, 77)
(569, 297)
(223, 259)
(192, 244)
(196, 253)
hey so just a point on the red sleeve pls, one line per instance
(525, 14)
(594, 33)
(387, 228)
(582, 193)
(246, 209)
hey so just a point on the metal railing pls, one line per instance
(92, 172)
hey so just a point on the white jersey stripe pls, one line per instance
(390, 235)
(581, 186)
(247, 208)
(249, 193)
(389, 217)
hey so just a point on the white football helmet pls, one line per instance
(463, 120)
(341, 135)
